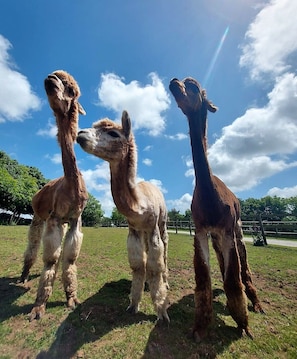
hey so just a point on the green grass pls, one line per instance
(101, 328)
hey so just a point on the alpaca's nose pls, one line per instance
(85, 132)
(173, 80)
(81, 137)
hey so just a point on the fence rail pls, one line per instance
(278, 229)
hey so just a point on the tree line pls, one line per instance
(269, 208)
(19, 183)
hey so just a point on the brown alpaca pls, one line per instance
(215, 211)
(143, 205)
(60, 201)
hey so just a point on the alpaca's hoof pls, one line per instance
(133, 309)
(258, 308)
(72, 303)
(24, 277)
(163, 319)
(23, 280)
(249, 333)
(199, 334)
(37, 312)
(246, 330)
(196, 337)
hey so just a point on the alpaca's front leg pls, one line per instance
(73, 241)
(137, 261)
(52, 238)
(203, 292)
(156, 272)
(34, 239)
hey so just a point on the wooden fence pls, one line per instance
(276, 229)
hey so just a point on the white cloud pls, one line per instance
(181, 204)
(262, 142)
(16, 96)
(271, 39)
(56, 158)
(258, 144)
(98, 183)
(189, 164)
(147, 162)
(145, 104)
(49, 131)
(177, 136)
(285, 192)
(148, 148)
(96, 179)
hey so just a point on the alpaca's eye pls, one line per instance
(113, 134)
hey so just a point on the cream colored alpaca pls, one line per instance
(215, 210)
(143, 205)
(60, 201)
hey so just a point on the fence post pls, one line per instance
(262, 229)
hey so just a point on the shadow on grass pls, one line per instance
(92, 319)
(177, 341)
(106, 310)
(10, 291)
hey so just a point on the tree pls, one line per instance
(93, 213)
(117, 217)
(174, 215)
(7, 189)
(273, 208)
(18, 184)
(188, 215)
(291, 208)
(250, 209)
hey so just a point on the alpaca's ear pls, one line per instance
(211, 107)
(81, 109)
(126, 124)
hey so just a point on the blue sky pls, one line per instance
(123, 55)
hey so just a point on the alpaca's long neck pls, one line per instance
(66, 136)
(123, 182)
(202, 170)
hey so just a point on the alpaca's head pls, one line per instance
(107, 139)
(190, 97)
(63, 92)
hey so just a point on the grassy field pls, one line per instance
(100, 326)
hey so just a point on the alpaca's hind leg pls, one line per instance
(137, 261)
(52, 238)
(165, 240)
(203, 292)
(72, 245)
(156, 271)
(246, 274)
(233, 286)
(34, 239)
(217, 246)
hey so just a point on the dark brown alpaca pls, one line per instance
(215, 211)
